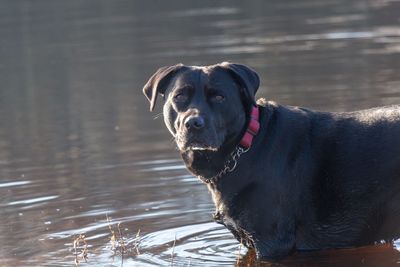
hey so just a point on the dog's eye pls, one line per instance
(218, 98)
(180, 97)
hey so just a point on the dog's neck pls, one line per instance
(210, 165)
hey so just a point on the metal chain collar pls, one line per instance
(245, 143)
(230, 164)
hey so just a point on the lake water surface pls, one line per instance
(81, 154)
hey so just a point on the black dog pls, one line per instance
(283, 178)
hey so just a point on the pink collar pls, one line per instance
(252, 128)
(244, 146)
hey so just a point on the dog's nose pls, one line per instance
(194, 122)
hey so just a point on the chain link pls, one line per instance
(230, 164)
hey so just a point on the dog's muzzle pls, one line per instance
(194, 135)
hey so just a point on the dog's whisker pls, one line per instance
(158, 116)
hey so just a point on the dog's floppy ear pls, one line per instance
(158, 83)
(246, 77)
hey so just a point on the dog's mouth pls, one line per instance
(196, 145)
(206, 140)
(199, 147)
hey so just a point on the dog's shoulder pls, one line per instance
(272, 105)
(288, 113)
(263, 102)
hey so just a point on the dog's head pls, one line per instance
(204, 107)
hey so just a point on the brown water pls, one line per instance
(77, 143)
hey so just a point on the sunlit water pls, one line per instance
(81, 154)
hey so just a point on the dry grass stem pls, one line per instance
(238, 256)
(80, 249)
(118, 243)
(137, 242)
(117, 239)
(173, 252)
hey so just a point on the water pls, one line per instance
(78, 145)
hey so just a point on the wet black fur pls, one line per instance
(311, 180)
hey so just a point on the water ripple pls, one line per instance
(32, 200)
(197, 243)
(15, 183)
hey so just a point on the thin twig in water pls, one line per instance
(122, 247)
(80, 243)
(113, 238)
(136, 243)
(118, 243)
(238, 258)
(173, 252)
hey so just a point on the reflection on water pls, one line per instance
(77, 143)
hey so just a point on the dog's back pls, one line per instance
(357, 182)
